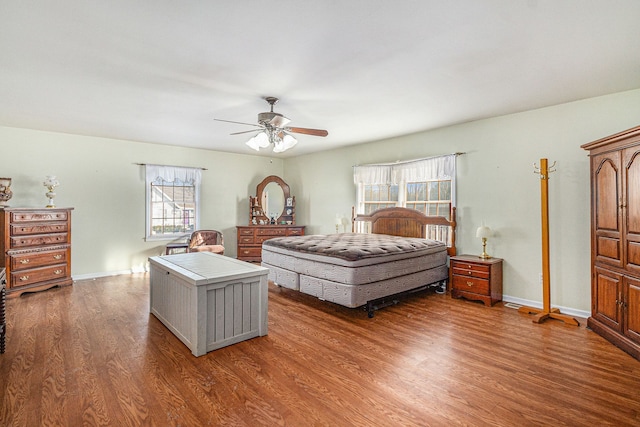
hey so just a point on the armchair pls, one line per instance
(206, 241)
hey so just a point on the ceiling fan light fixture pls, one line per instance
(261, 140)
(288, 141)
(280, 145)
(274, 130)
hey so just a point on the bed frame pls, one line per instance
(408, 223)
(287, 270)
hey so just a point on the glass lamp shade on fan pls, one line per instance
(262, 140)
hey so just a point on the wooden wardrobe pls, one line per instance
(615, 239)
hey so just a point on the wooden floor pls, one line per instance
(91, 354)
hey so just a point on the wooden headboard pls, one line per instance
(410, 223)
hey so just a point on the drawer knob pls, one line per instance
(469, 284)
(24, 278)
(24, 261)
(57, 272)
(57, 256)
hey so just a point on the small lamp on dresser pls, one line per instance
(484, 232)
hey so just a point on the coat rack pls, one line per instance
(546, 312)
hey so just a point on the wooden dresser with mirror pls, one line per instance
(272, 213)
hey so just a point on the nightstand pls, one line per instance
(475, 278)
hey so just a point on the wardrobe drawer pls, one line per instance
(244, 252)
(246, 240)
(246, 232)
(35, 228)
(35, 275)
(37, 259)
(39, 240)
(271, 232)
(34, 216)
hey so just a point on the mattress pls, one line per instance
(352, 269)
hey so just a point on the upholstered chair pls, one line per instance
(206, 241)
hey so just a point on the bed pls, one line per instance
(389, 253)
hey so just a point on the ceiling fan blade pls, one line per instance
(245, 131)
(238, 123)
(307, 131)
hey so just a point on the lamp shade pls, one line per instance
(261, 140)
(287, 142)
(483, 232)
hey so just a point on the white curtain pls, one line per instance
(440, 168)
(157, 173)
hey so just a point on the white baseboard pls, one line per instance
(535, 304)
(91, 276)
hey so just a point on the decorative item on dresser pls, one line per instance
(36, 248)
(272, 213)
(51, 182)
(5, 191)
(615, 239)
(476, 278)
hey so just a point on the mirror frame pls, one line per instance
(285, 190)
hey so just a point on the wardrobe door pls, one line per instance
(607, 212)
(631, 208)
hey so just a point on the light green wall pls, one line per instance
(496, 184)
(99, 178)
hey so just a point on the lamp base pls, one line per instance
(484, 254)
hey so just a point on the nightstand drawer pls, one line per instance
(483, 273)
(471, 284)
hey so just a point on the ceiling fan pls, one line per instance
(273, 129)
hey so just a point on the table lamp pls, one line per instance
(483, 232)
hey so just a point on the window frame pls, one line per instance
(402, 200)
(170, 177)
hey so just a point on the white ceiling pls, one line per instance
(160, 70)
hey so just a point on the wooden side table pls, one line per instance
(171, 247)
(476, 278)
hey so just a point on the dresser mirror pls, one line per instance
(268, 207)
(273, 200)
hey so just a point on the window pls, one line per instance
(378, 196)
(173, 196)
(432, 198)
(427, 185)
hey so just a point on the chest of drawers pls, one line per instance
(250, 238)
(36, 248)
(475, 278)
